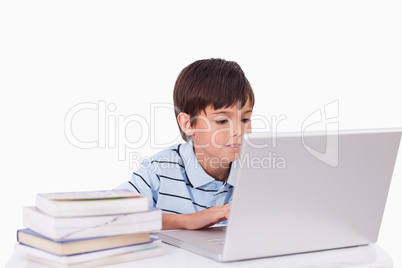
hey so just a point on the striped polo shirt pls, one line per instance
(175, 182)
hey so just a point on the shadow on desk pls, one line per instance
(362, 256)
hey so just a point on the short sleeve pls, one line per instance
(144, 181)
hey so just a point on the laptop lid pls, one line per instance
(302, 192)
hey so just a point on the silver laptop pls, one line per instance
(301, 192)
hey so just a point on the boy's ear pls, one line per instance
(185, 123)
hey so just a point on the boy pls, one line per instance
(192, 183)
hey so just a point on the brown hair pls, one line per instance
(215, 82)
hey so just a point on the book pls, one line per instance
(91, 203)
(96, 258)
(76, 258)
(69, 247)
(62, 228)
(126, 257)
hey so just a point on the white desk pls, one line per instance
(363, 256)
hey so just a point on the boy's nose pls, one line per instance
(236, 129)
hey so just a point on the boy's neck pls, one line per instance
(220, 174)
(218, 171)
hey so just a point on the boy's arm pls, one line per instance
(197, 220)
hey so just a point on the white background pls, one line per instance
(298, 55)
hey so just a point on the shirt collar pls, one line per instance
(232, 173)
(195, 172)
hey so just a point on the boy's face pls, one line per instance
(218, 133)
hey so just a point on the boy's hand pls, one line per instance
(197, 220)
(207, 217)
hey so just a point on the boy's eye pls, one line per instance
(221, 122)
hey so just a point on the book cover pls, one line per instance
(91, 203)
(83, 257)
(109, 260)
(90, 195)
(91, 226)
(76, 246)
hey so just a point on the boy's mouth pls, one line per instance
(234, 146)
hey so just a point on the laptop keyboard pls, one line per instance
(218, 241)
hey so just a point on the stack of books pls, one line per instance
(89, 229)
